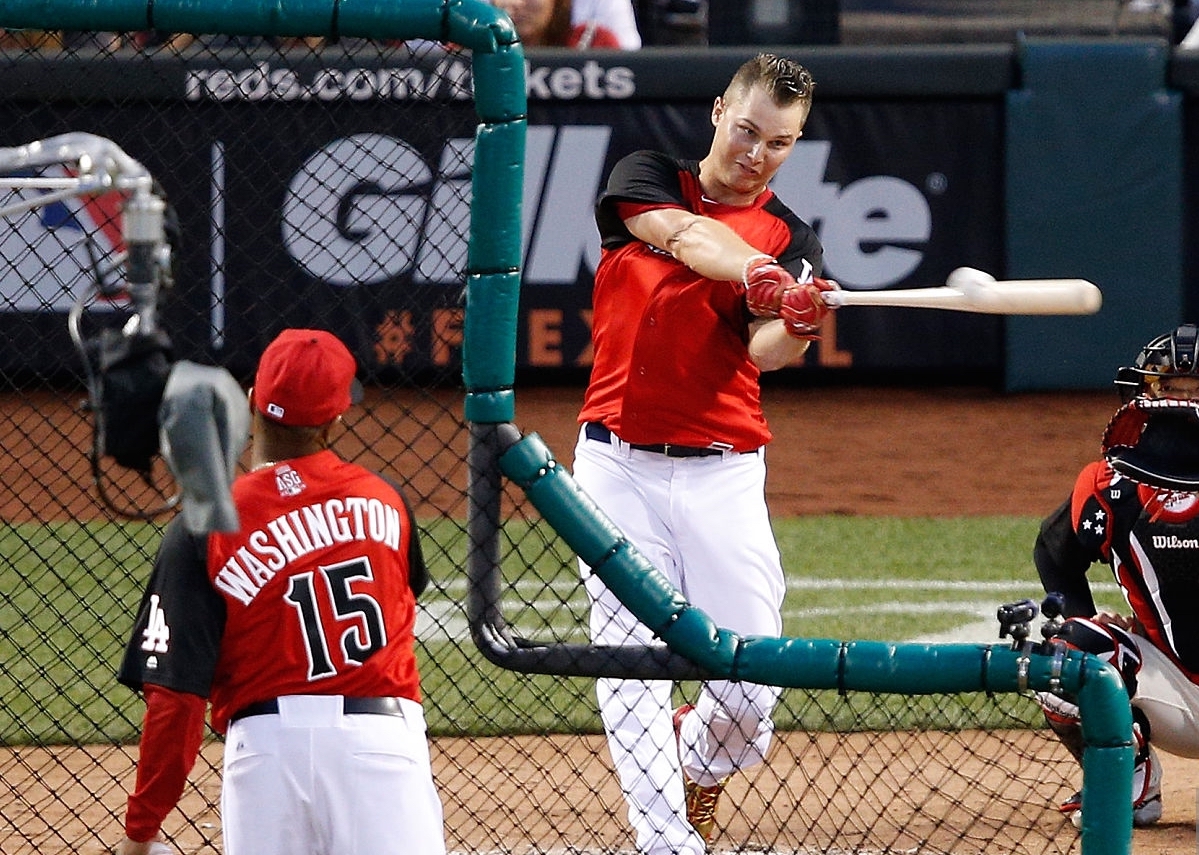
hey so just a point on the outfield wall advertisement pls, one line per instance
(286, 204)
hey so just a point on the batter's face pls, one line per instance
(753, 137)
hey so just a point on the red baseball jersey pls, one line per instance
(671, 360)
(313, 595)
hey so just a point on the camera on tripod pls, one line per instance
(1015, 620)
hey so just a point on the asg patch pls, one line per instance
(288, 481)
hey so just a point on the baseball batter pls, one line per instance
(705, 280)
(299, 630)
(1137, 511)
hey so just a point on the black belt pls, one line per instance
(596, 431)
(349, 706)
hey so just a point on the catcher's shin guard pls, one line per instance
(1146, 773)
(1146, 788)
(1117, 647)
(1062, 717)
(1110, 643)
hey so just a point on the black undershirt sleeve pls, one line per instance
(176, 639)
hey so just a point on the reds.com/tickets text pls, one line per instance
(449, 79)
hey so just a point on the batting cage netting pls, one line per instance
(327, 182)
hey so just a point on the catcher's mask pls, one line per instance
(1156, 442)
(1167, 355)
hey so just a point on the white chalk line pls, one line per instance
(445, 619)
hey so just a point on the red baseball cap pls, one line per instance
(305, 377)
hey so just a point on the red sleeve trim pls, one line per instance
(1094, 478)
(171, 734)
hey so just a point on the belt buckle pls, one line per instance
(722, 447)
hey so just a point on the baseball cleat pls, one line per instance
(701, 806)
(1146, 794)
(702, 802)
(1147, 789)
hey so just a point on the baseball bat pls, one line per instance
(970, 290)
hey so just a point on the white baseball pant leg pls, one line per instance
(313, 781)
(703, 523)
(1169, 700)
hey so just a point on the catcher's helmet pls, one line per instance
(1175, 352)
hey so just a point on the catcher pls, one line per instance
(1137, 510)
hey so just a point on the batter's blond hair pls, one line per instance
(785, 80)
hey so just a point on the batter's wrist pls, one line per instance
(751, 262)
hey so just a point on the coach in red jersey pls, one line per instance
(298, 628)
(705, 280)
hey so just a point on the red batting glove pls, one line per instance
(803, 310)
(765, 283)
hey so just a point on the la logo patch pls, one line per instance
(157, 635)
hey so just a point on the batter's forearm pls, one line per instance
(707, 246)
(772, 348)
(712, 249)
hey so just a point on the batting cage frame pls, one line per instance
(693, 646)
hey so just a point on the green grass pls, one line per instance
(70, 593)
(881, 579)
(885, 578)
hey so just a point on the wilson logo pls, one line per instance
(1173, 541)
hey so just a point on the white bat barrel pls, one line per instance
(970, 290)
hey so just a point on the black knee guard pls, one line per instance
(1107, 641)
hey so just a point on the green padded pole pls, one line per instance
(572, 513)
(494, 255)
(495, 244)
(489, 346)
(499, 80)
(493, 280)
(1107, 762)
(422, 16)
(474, 24)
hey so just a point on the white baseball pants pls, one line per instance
(702, 522)
(312, 780)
